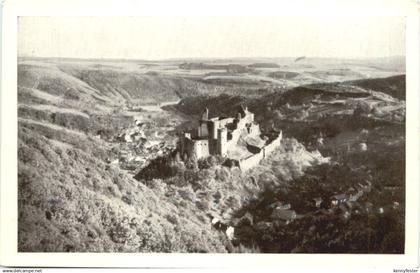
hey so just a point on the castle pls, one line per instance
(237, 138)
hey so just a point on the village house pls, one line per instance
(392, 188)
(368, 206)
(366, 186)
(280, 205)
(283, 216)
(353, 194)
(344, 210)
(317, 202)
(338, 199)
(246, 219)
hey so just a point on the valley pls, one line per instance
(99, 169)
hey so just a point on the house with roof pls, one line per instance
(317, 202)
(280, 205)
(338, 199)
(283, 216)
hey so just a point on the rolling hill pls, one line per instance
(76, 193)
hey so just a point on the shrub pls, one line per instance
(203, 205)
(172, 219)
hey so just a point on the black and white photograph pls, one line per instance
(246, 136)
(211, 134)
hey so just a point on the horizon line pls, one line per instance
(209, 58)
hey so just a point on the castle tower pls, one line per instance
(213, 127)
(250, 117)
(203, 129)
(205, 114)
(222, 141)
(243, 111)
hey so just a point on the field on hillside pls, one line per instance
(99, 170)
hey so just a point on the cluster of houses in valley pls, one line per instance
(343, 204)
(347, 203)
(282, 214)
(135, 156)
(139, 144)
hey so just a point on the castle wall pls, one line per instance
(213, 126)
(235, 136)
(254, 130)
(222, 141)
(273, 145)
(230, 144)
(213, 146)
(196, 148)
(216, 124)
(241, 123)
(225, 121)
(186, 146)
(201, 148)
(253, 160)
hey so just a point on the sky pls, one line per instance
(154, 38)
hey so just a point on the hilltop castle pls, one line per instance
(237, 138)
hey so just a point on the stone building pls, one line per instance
(237, 138)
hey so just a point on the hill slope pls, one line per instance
(83, 137)
(363, 131)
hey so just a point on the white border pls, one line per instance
(8, 140)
